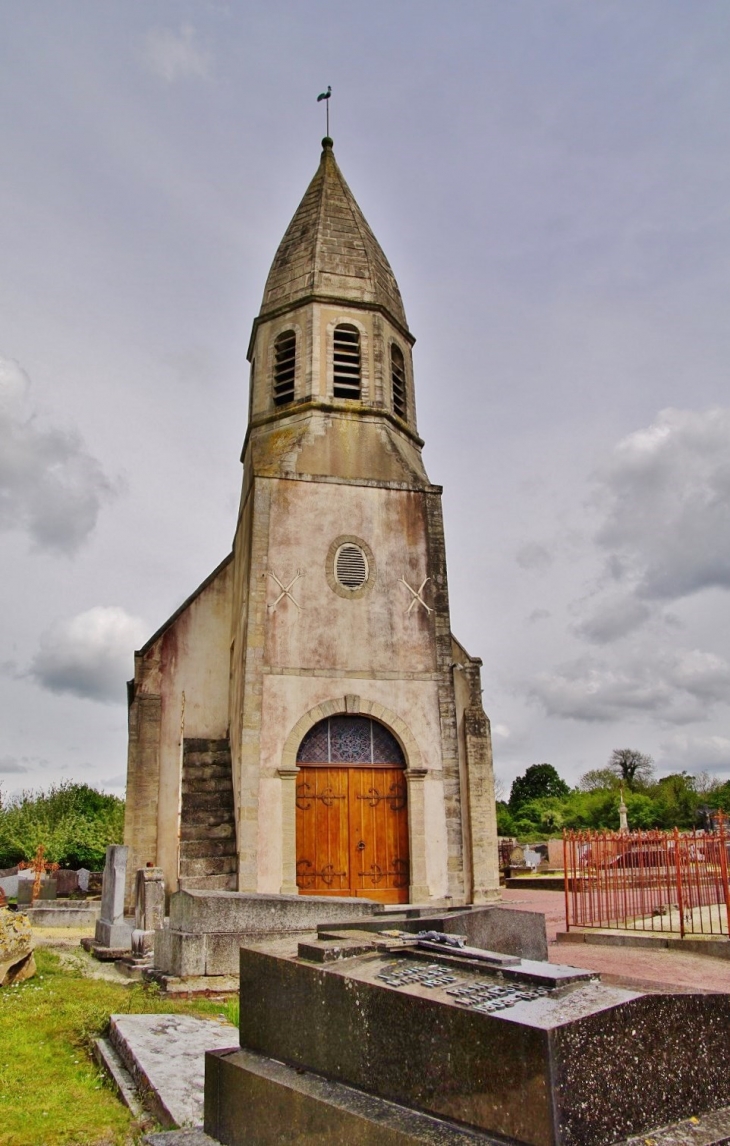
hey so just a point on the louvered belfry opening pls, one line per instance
(347, 373)
(285, 360)
(398, 380)
(351, 566)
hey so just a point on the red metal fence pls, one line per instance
(648, 881)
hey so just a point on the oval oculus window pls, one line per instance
(351, 566)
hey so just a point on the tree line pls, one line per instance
(541, 804)
(74, 822)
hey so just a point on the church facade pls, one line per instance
(306, 722)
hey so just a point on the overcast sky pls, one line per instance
(550, 180)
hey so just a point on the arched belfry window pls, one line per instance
(347, 370)
(285, 361)
(398, 380)
(350, 740)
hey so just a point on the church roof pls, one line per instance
(329, 251)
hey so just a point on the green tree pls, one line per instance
(74, 822)
(676, 800)
(597, 779)
(539, 782)
(632, 767)
(641, 810)
(505, 823)
(596, 810)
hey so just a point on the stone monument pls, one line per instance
(391, 1039)
(149, 916)
(112, 931)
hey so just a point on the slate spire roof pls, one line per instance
(329, 252)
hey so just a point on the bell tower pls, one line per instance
(340, 610)
(307, 717)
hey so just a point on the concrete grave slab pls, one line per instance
(165, 1055)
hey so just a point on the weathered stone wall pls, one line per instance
(190, 657)
(308, 649)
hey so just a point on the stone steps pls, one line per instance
(208, 865)
(203, 848)
(208, 858)
(209, 883)
(203, 785)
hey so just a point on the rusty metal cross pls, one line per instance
(417, 594)
(285, 589)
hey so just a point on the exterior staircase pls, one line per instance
(207, 820)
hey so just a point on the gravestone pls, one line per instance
(25, 891)
(391, 1039)
(532, 858)
(149, 911)
(48, 889)
(111, 929)
(96, 882)
(82, 876)
(67, 882)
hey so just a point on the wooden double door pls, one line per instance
(352, 831)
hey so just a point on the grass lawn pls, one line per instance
(51, 1090)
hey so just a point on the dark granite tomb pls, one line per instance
(478, 1045)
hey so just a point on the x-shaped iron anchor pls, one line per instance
(417, 598)
(285, 589)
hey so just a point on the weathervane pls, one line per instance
(326, 97)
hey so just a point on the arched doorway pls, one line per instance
(351, 811)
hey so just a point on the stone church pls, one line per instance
(306, 722)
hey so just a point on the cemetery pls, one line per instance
(234, 1018)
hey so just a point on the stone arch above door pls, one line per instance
(414, 773)
(353, 705)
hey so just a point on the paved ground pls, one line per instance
(623, 965)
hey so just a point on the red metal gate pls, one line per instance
(648, 881)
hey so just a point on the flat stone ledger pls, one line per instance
(531, 1052)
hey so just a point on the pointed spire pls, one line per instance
(329, 251)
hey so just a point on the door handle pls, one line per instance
(361, 846)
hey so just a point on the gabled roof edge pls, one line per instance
(186, 603)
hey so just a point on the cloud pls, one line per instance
(50, 485)
(666, 497)
(676, 687)
(539, 615)
(698, 753)
(612, 618)
(11, 765)
(118, 781)
(533, 556)
(89, 655)
(176, 55)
